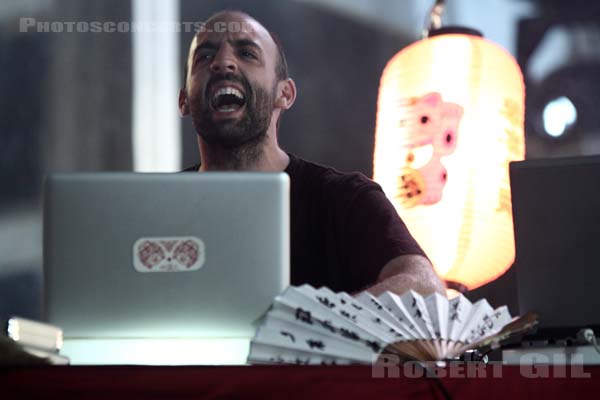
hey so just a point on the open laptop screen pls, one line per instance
(164, 255)
(556, 212)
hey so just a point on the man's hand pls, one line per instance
(408, 272)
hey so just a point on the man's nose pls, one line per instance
(224, 61)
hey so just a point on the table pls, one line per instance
(298, 382)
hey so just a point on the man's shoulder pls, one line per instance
(328, 177)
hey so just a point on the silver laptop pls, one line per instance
(164, 255)
(556, 211)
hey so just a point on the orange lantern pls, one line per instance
(449, 120)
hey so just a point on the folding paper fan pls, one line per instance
(317, 326)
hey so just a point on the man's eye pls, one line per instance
(205, 56)
(247, 54)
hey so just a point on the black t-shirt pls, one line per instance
(343, 228)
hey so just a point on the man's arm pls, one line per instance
(381, 250)
(408, 272)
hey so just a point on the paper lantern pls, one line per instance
(449, 120)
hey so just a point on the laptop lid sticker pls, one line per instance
(168, 254)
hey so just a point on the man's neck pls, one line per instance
(265, 157)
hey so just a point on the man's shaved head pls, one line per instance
(281, 67)
(236, 88)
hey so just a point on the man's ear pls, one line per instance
(286, 94)
(184, 108)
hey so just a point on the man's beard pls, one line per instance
(240, 140)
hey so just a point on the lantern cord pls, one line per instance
(435, 18)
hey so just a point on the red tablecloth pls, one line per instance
(296, 382)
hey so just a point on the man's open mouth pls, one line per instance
(227, 99)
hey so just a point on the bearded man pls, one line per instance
(345, 234)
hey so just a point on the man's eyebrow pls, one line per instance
(207, 45)
(245, 43)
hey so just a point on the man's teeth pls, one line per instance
(228, 90)
(228, 108)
